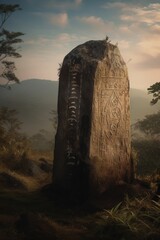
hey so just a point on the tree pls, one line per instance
(12, 142)
(150, 125)
(148, 152)
(155, 90)
(8, 47)
(147, 144)
(42, 141)
(148, 148)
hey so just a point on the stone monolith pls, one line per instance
(92, 144)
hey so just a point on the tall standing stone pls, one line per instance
(92, 145)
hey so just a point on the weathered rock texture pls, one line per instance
(92, 145)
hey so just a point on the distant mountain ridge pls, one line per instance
(34, 99)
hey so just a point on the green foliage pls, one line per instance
(8, 72)
(8, 42)
(148, 151)
(12, 143)
(150, 125)
(6, 11)
(147, 145)
(155, 90)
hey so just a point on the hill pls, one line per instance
(34, 99)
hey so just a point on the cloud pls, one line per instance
(78, 2)
(72, 4)
(39, 41)
(60, 42)
(149, 14)
(127, 18)
(149, 44)
(64, 42)
(120, 5)
(92, 20)
(65, 37)
(125, 29)
(96, 24)
(123, 44)
(155, 28)
(60, 19)
(149, 62)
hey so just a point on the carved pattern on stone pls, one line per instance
(111, 104)
(97, 154)
(73, 112)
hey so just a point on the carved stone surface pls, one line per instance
(92, 145)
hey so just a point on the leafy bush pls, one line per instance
(12, 143)
(148, 152)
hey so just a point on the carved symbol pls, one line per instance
(110, 104)
(72, 120)
(73, 92)
(72, 107)
(74, 98)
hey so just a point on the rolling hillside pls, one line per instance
(34, 99)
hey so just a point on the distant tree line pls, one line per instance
(147, 144)
(14, 143)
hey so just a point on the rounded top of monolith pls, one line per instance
(93, 50)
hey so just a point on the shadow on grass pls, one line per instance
(33, 216)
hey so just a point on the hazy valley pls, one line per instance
(34, 99)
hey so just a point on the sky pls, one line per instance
(54, 27)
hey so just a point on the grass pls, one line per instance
(29, 183)
(30, 214)
(36, 155)
(136, 219)
(34, 216)
(26, 171)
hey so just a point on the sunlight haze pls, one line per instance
(53, 28)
